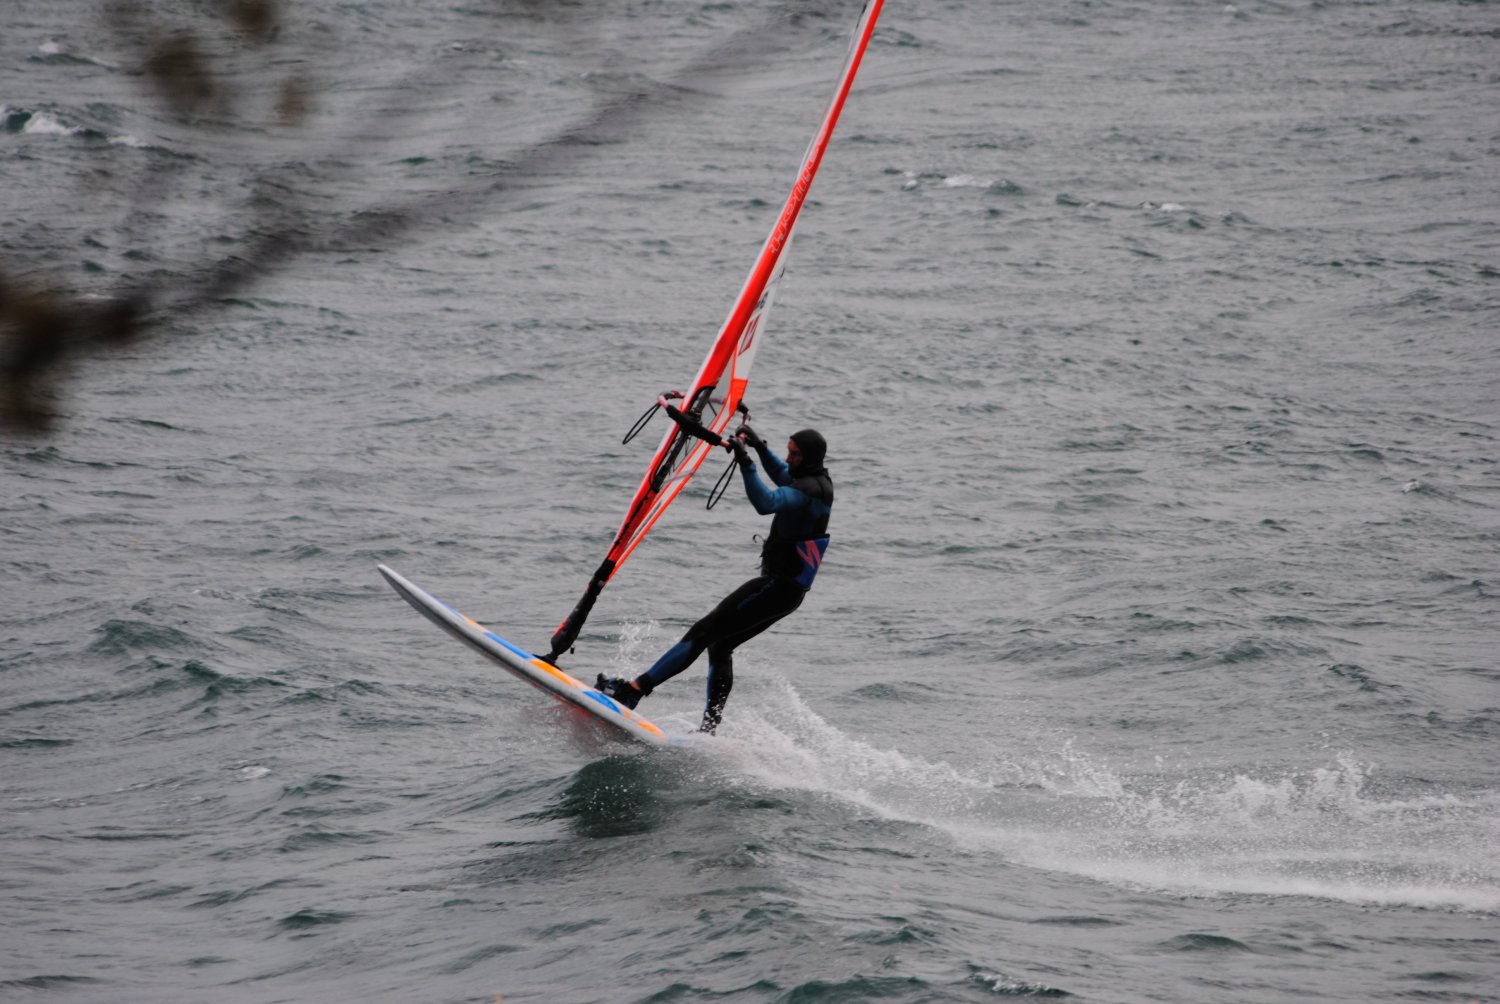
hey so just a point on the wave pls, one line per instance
(43, 123)
(1320, 832)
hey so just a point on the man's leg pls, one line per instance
(756, 611)
(721, 619)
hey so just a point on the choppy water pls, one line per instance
(1154, 657)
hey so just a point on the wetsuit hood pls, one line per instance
(814, 448)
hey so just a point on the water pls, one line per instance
(1153, 659)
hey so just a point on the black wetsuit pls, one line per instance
(790, 559)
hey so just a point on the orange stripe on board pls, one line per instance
(555, 673)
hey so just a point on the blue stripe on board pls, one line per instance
(496, 638)
(607, 702)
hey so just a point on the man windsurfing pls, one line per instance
(789, 560)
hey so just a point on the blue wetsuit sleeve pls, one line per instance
(767, 501)
(776, 468)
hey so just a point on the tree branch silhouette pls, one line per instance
(45, 327)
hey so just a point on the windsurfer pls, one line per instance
(790, 557)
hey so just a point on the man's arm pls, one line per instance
(774, 465)
(776, 468)
(764, 499)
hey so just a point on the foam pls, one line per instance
(1315, 832)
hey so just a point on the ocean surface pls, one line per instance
(1154, 658)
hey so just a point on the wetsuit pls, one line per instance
(789, 560)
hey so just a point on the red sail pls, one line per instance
(715, 393)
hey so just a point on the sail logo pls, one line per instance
(749, 336)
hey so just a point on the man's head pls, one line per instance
(805, 451)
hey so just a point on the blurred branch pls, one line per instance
(44, 327)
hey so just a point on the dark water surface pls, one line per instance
(1154, 657)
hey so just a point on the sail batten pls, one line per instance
(725, 373)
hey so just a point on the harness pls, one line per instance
(798, 539)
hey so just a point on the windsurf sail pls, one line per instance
(705, 409)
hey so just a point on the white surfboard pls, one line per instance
(532, 668)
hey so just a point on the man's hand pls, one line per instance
(750, 439)
(741, 454)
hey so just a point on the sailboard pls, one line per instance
(535, 671)
(717, 393)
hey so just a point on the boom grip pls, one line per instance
(693, 427)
